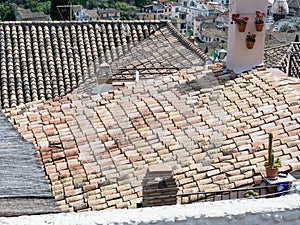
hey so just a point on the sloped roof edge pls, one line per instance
(186, 42)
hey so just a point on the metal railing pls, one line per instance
(206, 196)
(266, 191)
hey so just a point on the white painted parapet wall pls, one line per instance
(240, 58)
(283, 210)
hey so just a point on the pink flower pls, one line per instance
(259, 18)
(250, 37)
(239, 20)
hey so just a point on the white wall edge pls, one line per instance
(283, 210)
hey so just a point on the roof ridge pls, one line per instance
(162, 22)
(186, 42)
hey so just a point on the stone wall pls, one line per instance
(280, 211)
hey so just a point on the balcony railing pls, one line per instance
(210, 196)
(262, 192)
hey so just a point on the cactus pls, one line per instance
(271, 159)
(270, 151)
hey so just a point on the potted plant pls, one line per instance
(272, 164)
(259, 20)
(250, 194)
(250, 40)
(240, 21)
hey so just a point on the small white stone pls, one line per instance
(265, 216)
(278, 218)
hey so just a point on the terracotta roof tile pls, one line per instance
(41, 60)
(96, 148)
(278, 57)
(131, 134)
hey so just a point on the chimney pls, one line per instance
(104, 81)
(102, 75)
(159, 186)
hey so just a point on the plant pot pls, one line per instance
(250, 44)
(259, 26)
(242, 27)
(272, 173)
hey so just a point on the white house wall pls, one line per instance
(240, 58)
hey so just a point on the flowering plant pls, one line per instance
(251, 37)
(259, 18)
(239, 20)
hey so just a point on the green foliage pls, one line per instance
(123, 7)
(30, 4)
(272, 163)
(224, 45)
(250, 194)
(91, 4)
(284, 27)
(141, 3)
(270, 151)
(5, 12)
(37, 6)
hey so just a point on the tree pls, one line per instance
(63, 13)
(123, 7)
(6, 12)
(31, 4)
(141, 3)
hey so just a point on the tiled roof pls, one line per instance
(50, 59)
(214, 32)
(212, 131)
(27, 14)
(275, 56)
(23, 189)
(283, 55)
(276, 38)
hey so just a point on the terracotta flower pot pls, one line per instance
(272, 173)
(242, 27)
(250, 44)
(259, 26)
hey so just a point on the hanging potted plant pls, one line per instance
(241, 22)
(259, 20)
(272, 164)
(250, 40)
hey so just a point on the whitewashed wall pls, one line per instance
(240, 58)
(284, 210)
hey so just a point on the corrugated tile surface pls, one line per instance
(50, 59)
(212, 131)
